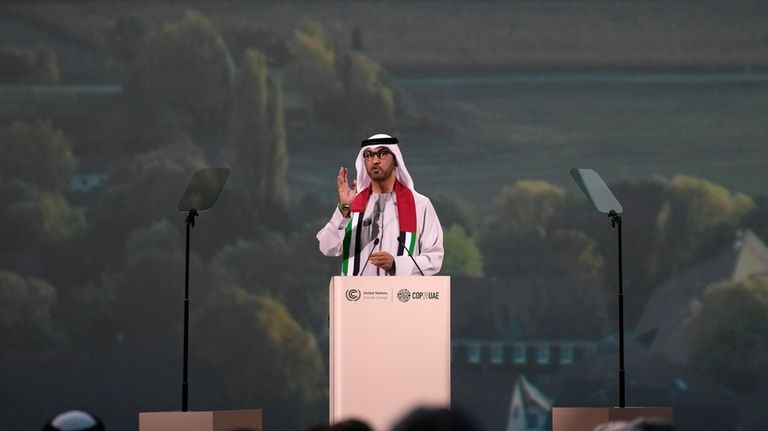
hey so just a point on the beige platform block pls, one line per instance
(390, 347)
(587, 418)
(224, 420)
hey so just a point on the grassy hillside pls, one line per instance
(484, 133)
(432, 35)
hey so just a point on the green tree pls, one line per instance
(524, 238)
(142, 119)
(576, 253)
(186, 66)
(757, 219)
(128, 37)
(150, 284)
(26, 305)
(21, 65)
(266, 266)
(270, 361)
(452, 210)
(462, 255)
(252, 261)
(313, 69)
(370, 101)
(276, 171)
(257, 147)
(147, 186)
(140, 191)
(246, 151)
(343, 86)
(31, 218)
(669, 223)
(646, 222)
(728, 338)
(138, 124)
(136, 301)
(36, 152)
(700, 217)
(159, 238)
(525, 206)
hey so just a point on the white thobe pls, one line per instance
(428, 251)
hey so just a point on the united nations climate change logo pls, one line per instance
(353, 295)
(404, 295)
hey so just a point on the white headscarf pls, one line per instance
(401, 172)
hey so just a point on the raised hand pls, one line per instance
(346, 193)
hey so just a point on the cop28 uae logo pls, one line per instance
(404, 295)
(353, 294)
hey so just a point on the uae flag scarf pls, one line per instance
(406, 217)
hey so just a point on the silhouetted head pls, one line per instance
(350, 425)
(435, 419)
(74, 420)
(640, 424)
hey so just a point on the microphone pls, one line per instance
(375, 243)
(402, 242)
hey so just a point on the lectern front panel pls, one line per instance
(389, 347)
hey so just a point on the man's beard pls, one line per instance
(379, 174)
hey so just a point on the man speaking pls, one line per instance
(382, 226)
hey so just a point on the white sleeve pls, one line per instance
(331, 236)
(429, 254)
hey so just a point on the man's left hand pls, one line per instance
(383, 260)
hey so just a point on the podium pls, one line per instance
(390, 347)
(587, 418)
(224, 420)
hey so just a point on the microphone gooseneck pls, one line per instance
(400, 240)
(375, 243)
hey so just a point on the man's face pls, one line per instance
(379, 162)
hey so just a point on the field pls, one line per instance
(490, 131)
(428, 36)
